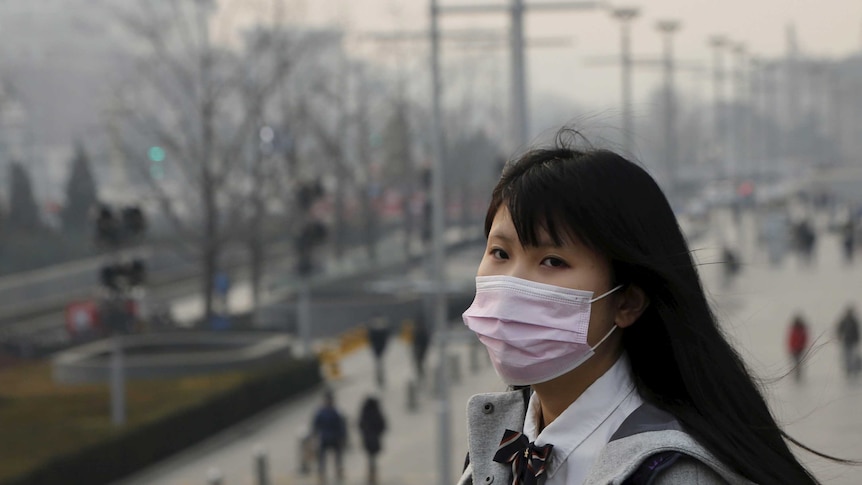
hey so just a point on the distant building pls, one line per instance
(849, 109)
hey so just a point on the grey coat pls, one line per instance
(647, 432)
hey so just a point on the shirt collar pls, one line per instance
(583, 416)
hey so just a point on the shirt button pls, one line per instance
(488, 408)
(489, 479)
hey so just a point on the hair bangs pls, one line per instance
(539, 203)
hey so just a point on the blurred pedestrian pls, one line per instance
(330, 431)
(848, 335)
(848, 239)
(731, 265)
(372, 425)
(591, 308)
(421, 339)
(806, 239)
(378, 338)
(797, 342)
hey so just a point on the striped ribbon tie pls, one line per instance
(527, 460)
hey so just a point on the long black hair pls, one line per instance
(681, 361)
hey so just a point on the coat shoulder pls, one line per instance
(688, 470)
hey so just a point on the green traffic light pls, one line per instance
(156, 154)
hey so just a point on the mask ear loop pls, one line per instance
(615, 288)
(594, 347)
(614, 327)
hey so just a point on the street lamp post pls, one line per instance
(719, 121)
(755, 120)
(771, 115)
(737, 115)
(437, 270)
(519, 83)
(667, 28)
(835, 94)
(625, 16)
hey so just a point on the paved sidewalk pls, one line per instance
(407, 458)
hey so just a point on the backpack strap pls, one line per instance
(652, 467)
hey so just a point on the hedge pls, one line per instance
(145, 445)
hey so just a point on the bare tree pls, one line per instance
(337, 111)
(371, 98)
(203, 104)
(323, 110)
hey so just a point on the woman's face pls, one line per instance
(572, 265)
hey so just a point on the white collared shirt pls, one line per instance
(586, 426)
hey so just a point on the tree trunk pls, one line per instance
(410, 222)
(338, 223)
(209, 262)
(208, 189)
(407, 222)
(370, 230)
(210, 245)
(256, 253)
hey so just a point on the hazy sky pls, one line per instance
(824, 28)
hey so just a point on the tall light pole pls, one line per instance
(771, 116)
(520, 122)
(792, 74)
(719, 121)
(836, 110)
(756, 117)
(737, 115)
(438, 273)
(667, 28)
(625, 16)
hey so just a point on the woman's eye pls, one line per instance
(553, 262)
(499, 254)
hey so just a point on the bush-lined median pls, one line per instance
(55, 434)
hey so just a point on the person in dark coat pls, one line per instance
(848, 334)
(848, 240)
(421, 340)
(372, 425)
(797, 342)
(331, 432)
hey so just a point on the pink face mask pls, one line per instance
(533, 332)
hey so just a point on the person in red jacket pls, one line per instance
(797, 342)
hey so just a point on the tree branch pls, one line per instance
(165, 200)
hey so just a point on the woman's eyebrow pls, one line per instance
(505, 237)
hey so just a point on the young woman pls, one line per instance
(590, 306)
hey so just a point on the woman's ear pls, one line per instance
(630, 305)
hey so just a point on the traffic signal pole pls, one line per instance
(116, 231)
(118, 381)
